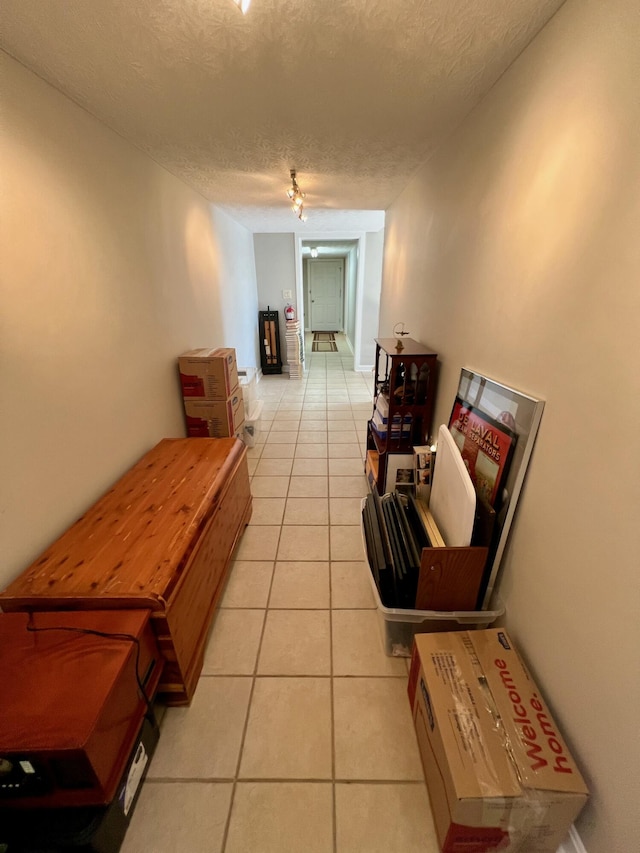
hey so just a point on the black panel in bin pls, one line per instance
(86, 829)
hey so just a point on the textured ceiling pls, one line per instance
(354, 95)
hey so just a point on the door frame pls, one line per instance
(360, 238)
(343, 298)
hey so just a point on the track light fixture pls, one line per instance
(243, 5)
(296, 196)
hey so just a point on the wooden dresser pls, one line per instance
(160, 539)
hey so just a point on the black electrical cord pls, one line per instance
(109, 636)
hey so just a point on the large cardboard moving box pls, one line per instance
(208, 374)
(215, 418)
(499, 774)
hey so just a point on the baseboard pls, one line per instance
(573, 843)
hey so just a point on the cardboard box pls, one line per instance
(215, 418)
(400, 427)
(382, 407)
(379, 426)
(371, 467)
(208, 374)
(499, 774)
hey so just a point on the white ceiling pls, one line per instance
(354, 95)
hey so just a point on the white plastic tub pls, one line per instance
(247, 376)
(253, 424)
(398, 626)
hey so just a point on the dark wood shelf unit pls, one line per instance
(407, 380)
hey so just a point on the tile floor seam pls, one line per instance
(248, 713)
(191, 780)
(333, 721)
(306, 675)
(255, 780)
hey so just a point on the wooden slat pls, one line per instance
(450, 578)
(435, 537)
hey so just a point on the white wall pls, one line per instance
(237, 289)
(275, 272)
(110, 268)
(516, 252)
(351, 280)
(370, 304)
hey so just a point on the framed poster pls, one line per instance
(495, 428)
(486, 447)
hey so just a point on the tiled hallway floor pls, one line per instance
(299, 738)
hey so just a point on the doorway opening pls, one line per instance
(325, 294)
(329, 287)
(361, 256)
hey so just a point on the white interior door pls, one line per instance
(326, 289)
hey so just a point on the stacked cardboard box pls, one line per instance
(499, 774)
(212, 397)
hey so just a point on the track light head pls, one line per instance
(296, 196)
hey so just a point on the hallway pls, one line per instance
(299, 738)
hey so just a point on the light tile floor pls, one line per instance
(299, 738)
